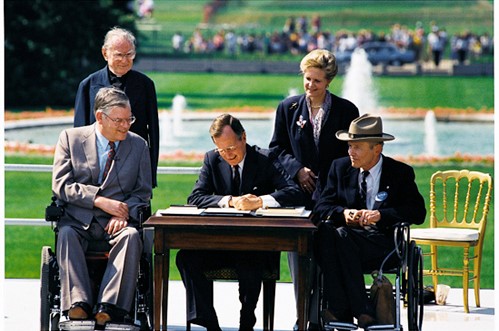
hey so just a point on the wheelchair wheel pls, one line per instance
(415, 307)
(44, 289)
(49, 318)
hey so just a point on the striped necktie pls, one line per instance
(109, 161)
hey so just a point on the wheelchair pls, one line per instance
(407, 289)
(51, 316)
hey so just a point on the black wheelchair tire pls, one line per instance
(44, 289)
(415, 307)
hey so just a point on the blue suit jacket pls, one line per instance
(403, 201)
(142, 94)
(262, 174)
(295, 146)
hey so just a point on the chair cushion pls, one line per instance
(451, 234)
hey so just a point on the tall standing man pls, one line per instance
(119, 52)
(102, 175)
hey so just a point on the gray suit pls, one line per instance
(75, 183)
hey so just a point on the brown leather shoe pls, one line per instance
(79, 311)
(103, 314)
(365, 320)
(101, 318)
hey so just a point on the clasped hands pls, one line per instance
(118, 211)
(361, 218)
(246, 202)
(306, 179)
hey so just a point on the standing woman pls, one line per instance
(304, 131)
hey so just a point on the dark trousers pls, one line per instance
(344, 254)
(249, 267)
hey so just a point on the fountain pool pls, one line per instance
(475, 138)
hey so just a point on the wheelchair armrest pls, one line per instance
(54, 211)
(144, 214)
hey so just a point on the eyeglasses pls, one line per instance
(120, 56)
(226, 150)
(120, 121)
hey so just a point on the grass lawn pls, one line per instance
(23, 243)
(205, 91)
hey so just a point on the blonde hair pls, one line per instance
(320, 59)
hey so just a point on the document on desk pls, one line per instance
(181, 210)
(283, 212)
(227, 211)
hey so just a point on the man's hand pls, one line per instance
(247, 202)
(115, 224)
(352, 217)
(112, 207)
(306, 179)
(363, 217)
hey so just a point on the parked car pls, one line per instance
(380, 53)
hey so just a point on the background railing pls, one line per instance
(48, 168)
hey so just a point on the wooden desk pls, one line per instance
(231, 233)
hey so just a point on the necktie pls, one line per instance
(236, 181)
(363, 189)
(110, 158)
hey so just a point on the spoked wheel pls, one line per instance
(415, 307)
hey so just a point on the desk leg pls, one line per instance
(158, 279)
(166, 277)
(303, 293)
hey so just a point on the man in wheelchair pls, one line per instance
(102, 177)
(366, 194)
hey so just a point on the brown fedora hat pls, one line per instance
(365, 128)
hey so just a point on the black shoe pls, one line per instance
(313, 327)
(210, 325)
(107, 312)
(79, 311)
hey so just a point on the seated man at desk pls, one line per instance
(246, 178)
(366, 194)
(102, 174)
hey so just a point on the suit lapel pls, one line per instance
(249, 171)
(226, 174)
(384, 186)
(351, 184)
(122, 154)
(89, 144)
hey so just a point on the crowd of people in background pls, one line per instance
(302, 35)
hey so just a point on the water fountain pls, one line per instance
(179, 104)
(431, 143)
(358, 85)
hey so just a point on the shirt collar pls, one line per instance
(102, 141)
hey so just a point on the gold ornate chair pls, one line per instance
(459, 204)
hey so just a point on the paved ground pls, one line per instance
(22, 304)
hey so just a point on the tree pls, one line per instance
(51, 45)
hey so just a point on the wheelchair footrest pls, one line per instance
(340, 326)
(88, 325)
(121, 327)
(382, 327)
(71, 325)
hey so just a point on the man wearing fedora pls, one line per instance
(366, 194)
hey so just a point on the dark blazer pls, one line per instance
(262, 174)
(295, 146)
(142, 94)
(76, 174)
(403, 202)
